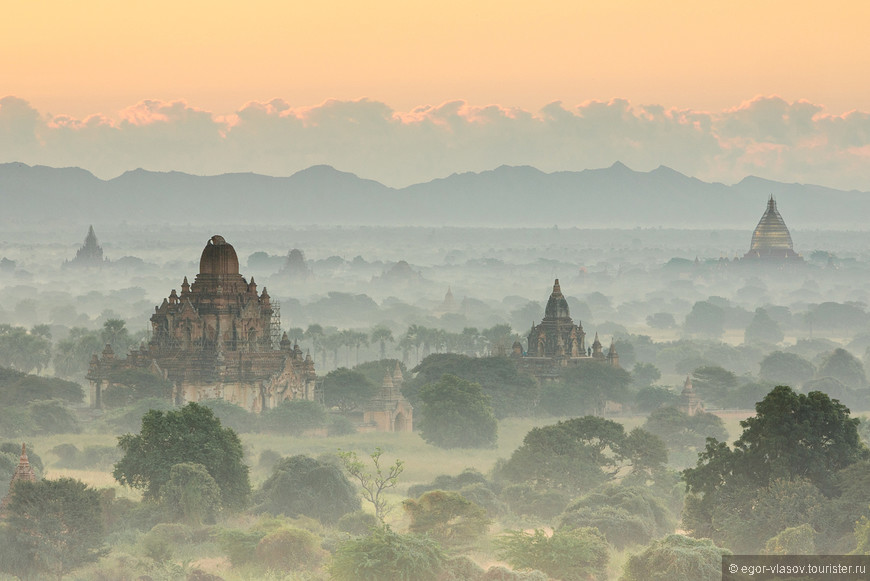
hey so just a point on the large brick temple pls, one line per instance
(217, 338)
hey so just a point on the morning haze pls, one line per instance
(404, 292)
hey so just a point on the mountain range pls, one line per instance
(514, 196)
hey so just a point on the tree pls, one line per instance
(294, 417)
(385, 555)
(376, 482)
(455, 413)
(22, 350)
(676, 558)
(845, 367)
(581, 453)
(115, 333)
(661, 321)
(680, 431)
(645, 374)
(763, 329)
(382, 335)
(301, 485)
(573, 555)
(347, 390)
(792, 436)
(189, 434)
(448, 517)
(191, 494)
(624, 514)
(649, 398)
(713, 383)
(786, 369)
(132, 385)
(706, 318)
(511, 392)
(585, 389)
(52, 527)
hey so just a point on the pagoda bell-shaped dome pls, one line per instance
(218, 257)
(557, 306)
(771, 232)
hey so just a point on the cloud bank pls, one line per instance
(766, 136)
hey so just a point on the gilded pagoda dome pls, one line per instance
(557, 306)
(771, 238)
(771, 231)
(218, 257)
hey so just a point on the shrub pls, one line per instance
(290, 549)
(239, 546)
(576, 555)
(384, 555)
(357, 523)
(301, 485)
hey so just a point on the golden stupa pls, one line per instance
(771, 238)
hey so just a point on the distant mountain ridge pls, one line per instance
(505, 196)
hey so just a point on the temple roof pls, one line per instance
(557, 306)
(771, 232)
(218, 257)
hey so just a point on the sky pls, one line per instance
(404, 92)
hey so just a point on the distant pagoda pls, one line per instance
(90, 254)
(771, 239)
(24, 471)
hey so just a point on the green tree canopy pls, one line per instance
(792, 436)
(191, 494)
(581, 453)
(585, 389)
(189, 434)
(763, 329)
(52, 527)
(455, 413)
(682, 432)
(301, 485)
(293, 417)
(786, 369)
(511, 393)
(132, 385)
(706, 318)
(714, 384)
(845, 367)
(347, 390)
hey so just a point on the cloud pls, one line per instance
(765, 136)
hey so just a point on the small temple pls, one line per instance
(771, 239)
(23, 472)
(690, 403)
(90, 254)
(389, 411)
(557, 342)
(216, 339)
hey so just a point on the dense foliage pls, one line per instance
(189, 434)
(455, 413)
(385, 555)
(51, 528)
(301, 485)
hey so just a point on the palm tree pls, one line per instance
(314, 333)
(382, 335)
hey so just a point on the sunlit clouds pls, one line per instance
(767, 136)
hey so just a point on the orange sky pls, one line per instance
(85, 57)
